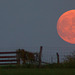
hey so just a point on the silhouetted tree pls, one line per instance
(70, 58)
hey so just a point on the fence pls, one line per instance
(56, 54)
(47, 55)
(5, 59)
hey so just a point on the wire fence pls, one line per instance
(49, 54)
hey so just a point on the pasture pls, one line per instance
(37, 71)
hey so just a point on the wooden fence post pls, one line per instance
(40, 53)
(18, 57)
(57, 57)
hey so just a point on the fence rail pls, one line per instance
(7, 52)
(7, 63)
(8, 60)
(7, 56)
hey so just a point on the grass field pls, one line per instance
(20, 71)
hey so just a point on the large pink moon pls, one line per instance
(66, 26)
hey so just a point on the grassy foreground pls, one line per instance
(24, 71)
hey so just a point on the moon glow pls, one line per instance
(66, 26)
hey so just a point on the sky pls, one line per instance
(32, 23)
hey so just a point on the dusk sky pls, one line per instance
(32, 23)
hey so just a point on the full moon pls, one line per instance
(66, 26)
